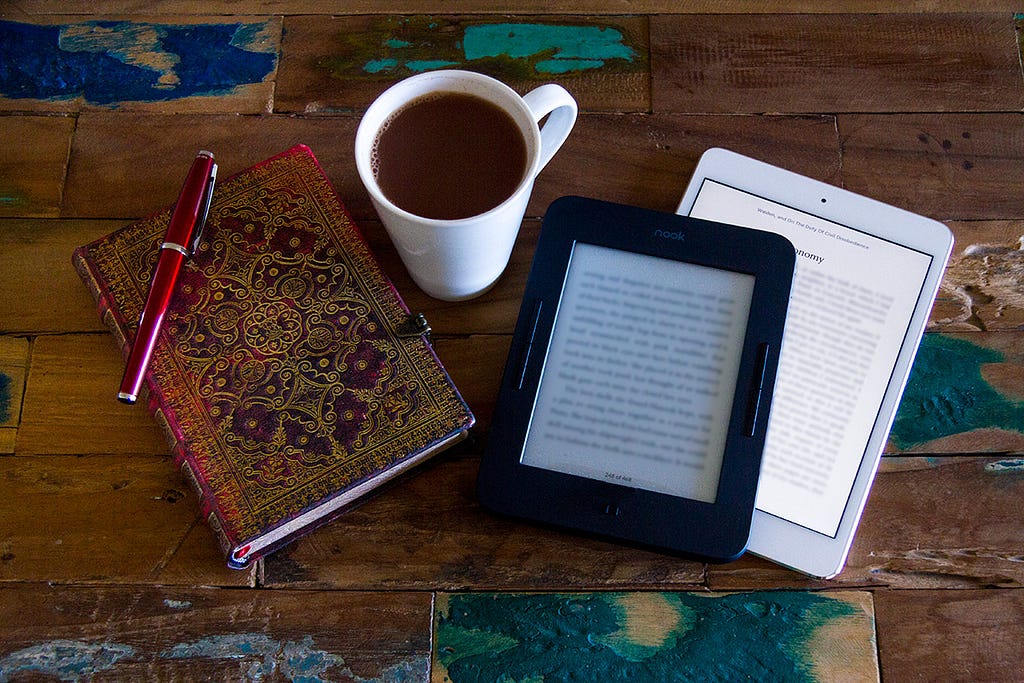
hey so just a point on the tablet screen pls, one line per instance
(853, 297)
(639, 377)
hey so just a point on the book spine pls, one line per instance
(115, 321)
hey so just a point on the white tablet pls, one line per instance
(866, 276)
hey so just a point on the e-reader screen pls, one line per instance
(853, 297)
(641, 367)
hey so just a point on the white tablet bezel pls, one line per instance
(774, 538)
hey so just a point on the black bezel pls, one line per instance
(716, 531)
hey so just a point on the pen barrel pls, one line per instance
(161, 290)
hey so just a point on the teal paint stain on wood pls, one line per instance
(946, 394)
(12, 197)
(570, 47)
(5, 397)
(564, 66)
(376, 66)
(401, 46)
(635, 636)
(421, 65)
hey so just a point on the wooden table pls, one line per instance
(106, 569)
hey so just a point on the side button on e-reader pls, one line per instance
(524, 354)
(756, 389)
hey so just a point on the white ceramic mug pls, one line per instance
(459, 259)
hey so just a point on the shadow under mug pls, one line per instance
(459, 259)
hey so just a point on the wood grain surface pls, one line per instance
(108, 573)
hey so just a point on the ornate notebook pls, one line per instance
(287, 375)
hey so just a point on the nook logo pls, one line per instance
(679, 236)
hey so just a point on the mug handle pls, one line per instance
(558, 105)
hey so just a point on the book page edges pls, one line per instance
(329, 509)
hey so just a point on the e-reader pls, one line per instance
(866, 277)
(635, 399)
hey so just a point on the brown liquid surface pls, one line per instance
(449, 156)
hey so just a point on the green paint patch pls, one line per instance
(947, 395)
(634, 636)
(401, 46)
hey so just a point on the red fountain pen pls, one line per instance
(181, 240)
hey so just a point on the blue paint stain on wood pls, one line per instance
(751, 636)
(177, 604)
(947, 395)
(107, 62)
(264, 657)
(1006, 466)
(66, 660)
(268, 657)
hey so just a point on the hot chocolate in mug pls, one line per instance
(451, 254)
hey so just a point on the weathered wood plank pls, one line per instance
(45, 293)
(835, 63)
(239, 635)
(343, 63)
(948, 522)
(946, 166)
(71, 406)
(105, 520)
(983, 287)
(655, 637)
(597, 7)
(129, 165)
(13, 369)
(182, 63)
(648, 160)
(430, 533)
(33, 160)
(967, 635)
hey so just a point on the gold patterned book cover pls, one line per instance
(287, 375)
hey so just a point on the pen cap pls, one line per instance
(191, 201)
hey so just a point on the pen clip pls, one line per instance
(207, 199)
